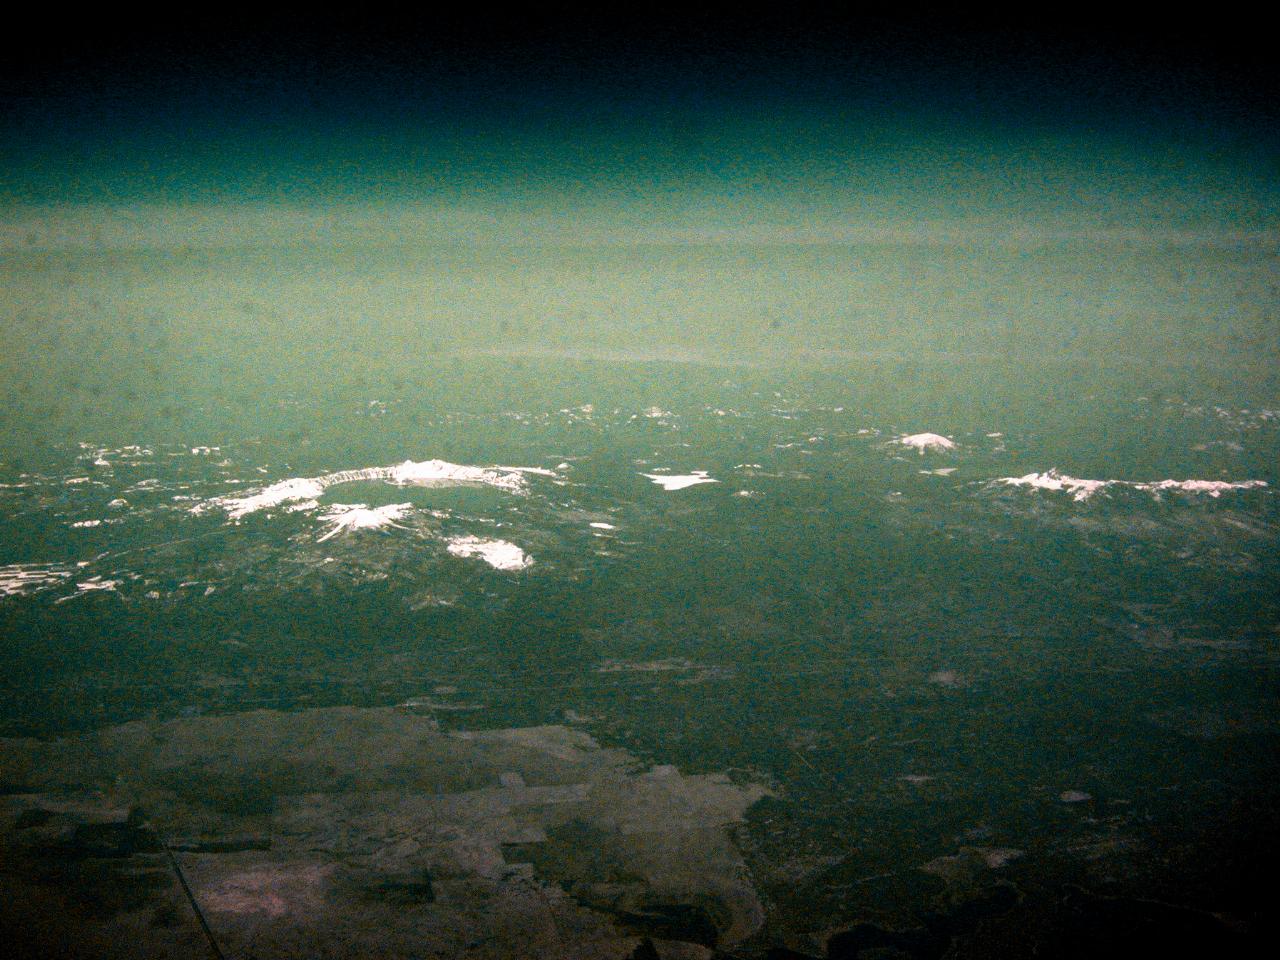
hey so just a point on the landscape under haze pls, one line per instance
(782, 491)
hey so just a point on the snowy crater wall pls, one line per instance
(305, 491)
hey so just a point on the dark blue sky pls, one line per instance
(500, 105)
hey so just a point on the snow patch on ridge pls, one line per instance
(1084, 489)
(92, 585)
(19, 578)
(1053, 480)
(499, 554)
(1213, 488)
(926, 441)
(408, 473)
(679, 481)
(344, 517)
(286, 491)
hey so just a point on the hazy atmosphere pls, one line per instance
(800, 488)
